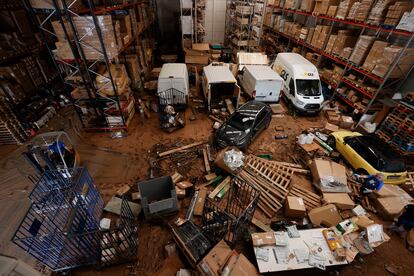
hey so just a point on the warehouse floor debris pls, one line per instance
(130, 158)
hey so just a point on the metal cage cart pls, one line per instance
(52, 151)
(61, 228)
(92, 42)
(230, 217)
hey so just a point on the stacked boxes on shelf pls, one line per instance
(11, 131)
(396, 11)
(360, 10)
(398, 127)
(360, 49)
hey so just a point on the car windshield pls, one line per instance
(241, 121)
(308, 87)
(378, 154)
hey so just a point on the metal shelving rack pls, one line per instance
(97, 112)
(244, 22)
(403, 37)
(187, 16)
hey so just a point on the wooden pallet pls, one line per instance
(310, 199)
(355, 188)
(277, 165)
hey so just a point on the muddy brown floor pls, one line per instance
(116, 162)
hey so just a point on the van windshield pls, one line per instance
(308, 87)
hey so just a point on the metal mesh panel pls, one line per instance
(173, 97)
(60, 227)
(230, 217)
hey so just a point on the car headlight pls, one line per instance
(299, 102)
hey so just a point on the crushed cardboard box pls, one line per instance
(342, 200)
(329, 176)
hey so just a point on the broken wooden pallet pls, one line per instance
(271, 171)
(272, 180)
(289, 167)
(355, 188)
(310, 199)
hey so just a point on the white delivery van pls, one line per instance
(219, 84)
(302, 86)
(173, 84)
(244, 59)
(261, 83)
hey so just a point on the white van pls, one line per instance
(173, 84)
(219, 84)
(302, 86)
(261, 83)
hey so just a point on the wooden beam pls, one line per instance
(206, 162)
(225, 182)
(261, 225)
(168, 152)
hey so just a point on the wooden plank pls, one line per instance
(261, 225)
(214, 118)
(168, 152)
(206, 162)
(225, 182)
(230, 106)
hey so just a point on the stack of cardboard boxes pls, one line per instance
(320, 35)
(375, 55)
(360, 10)
(90, 40)
(322, 6)
(343, 8)
(361, 49)
(344, 39)
(378, 11)
(396, 11)
(199, 54)
(307, 5)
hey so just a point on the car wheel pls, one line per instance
(331, 142)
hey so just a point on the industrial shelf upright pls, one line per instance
(382, 84)
(244, 22)
(88, 33)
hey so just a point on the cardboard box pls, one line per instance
(327, 215)
(307, 5)
(341, 200)
(199, 206)
(294, 207)
(329, 176)
(266, 238)
(346, 122)
(238, 264)
(390, 191)
(362, 48)
(331, 127)
(333, 117)
(213, 263)
(390, 207)
(189, 59)
(375, 55)
(362, 221)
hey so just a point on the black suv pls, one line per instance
(244, 125)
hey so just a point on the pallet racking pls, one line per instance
(383, 84)
(244, 24)
(94, 52)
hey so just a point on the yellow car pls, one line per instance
(369, 155)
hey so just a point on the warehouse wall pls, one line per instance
(215, 20)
